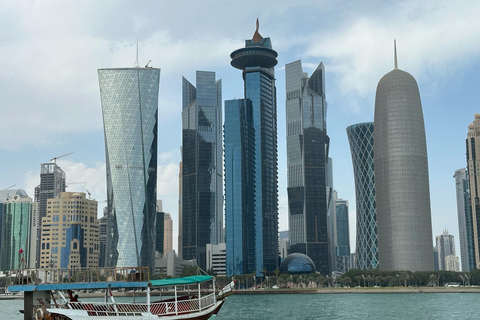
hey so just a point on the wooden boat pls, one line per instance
(191, 298)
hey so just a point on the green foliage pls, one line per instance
(189, 271)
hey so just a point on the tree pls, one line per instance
(189, 271)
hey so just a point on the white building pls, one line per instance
(216, 258)
(169, 264)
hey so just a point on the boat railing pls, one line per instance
(66, 275)
(161, 308)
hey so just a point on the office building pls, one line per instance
(445, 244)
(70, 233)
(16, 232)
(360, 138)
(102, 237)
(169, 264)
(52, 183)
(307, 161)
(452, 263)
(129, 98)
(202, 180)
(331, 220)
(473, 169)
(465, 224)
(342, 236)
(167, 233)
(251, 158)
(216, 258)
(401, 175)
(180, 214)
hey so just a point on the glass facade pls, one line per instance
(130, 114)
(473, 171)
(360, 137)
(307, 160)
(16, 231)
(342, 236)
(465, 226)
(257, 61)
(202, 172)
(240, 187)
(297, 263)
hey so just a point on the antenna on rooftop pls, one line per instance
(395, 53)
(137, 64)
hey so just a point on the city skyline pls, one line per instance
(355, 46)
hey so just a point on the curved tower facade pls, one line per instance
(360, 137)
(257, 61)
(130, 114)
(401, 175)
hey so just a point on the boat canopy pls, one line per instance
(79, 286)
(180, 281)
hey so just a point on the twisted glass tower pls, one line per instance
(257, 61)
(307, 159)
(130, 114)
(202, 176)
(401, 175)
(360, 137)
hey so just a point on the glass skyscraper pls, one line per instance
(202, 172)
(465, 225)
(130, 114)
(307, 161)
(257, 61)
(342, 236)
(360, 137)
(16, 231)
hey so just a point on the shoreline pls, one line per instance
(296, 291)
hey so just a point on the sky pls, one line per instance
(51, 49)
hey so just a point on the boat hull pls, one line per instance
(83, 315)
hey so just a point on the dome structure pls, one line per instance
(297, 263)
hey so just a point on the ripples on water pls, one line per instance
(409, 306)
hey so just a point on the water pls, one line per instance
(409, 306)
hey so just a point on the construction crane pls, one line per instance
(54, 159)
(10, 187)
(89, 194)
(69, 183)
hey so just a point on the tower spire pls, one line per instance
(137, 64)
(395, 53)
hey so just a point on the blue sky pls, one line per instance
(50, 52)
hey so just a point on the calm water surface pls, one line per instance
(331, 306)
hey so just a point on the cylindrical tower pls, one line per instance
(401, 173)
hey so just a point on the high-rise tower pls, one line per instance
(52, 184)
(360, 137)
(257, 61)
(473, 169)
(307, 161)
(202, 180)
(130, 115)
(401, 175)
(465, 225)
(446, 247)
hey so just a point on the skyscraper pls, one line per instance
(130, 114)
(465, 225)
(331, 219)
(360, 137)
(202, 180)
(401, 175)
(16, 232)
(52, 184)
(446, 247)
(240, 187)
(342, 236)
(307, 160)
(473, 169)
(70, 233)
(257, 61)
